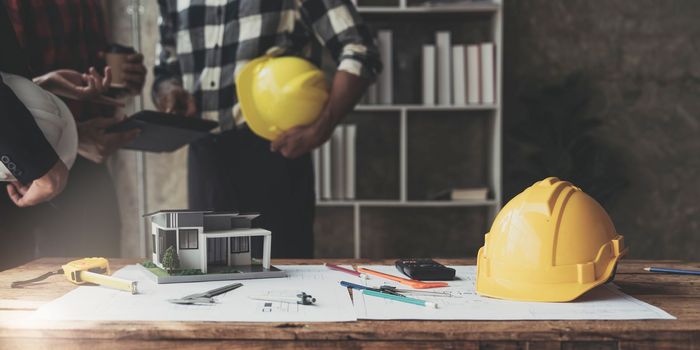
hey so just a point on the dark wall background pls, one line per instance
(607, 94)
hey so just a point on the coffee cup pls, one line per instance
(115, 55)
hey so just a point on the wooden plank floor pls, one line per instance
(678, 295)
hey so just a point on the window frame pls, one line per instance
(247, 249)
(187, 232)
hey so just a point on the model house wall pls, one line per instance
(205, 238)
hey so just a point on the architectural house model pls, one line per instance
(217, 245)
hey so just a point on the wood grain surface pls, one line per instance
(678, 295)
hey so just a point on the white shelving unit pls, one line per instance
(493, 9)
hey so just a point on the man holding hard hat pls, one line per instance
(36, 147)
(258, 52)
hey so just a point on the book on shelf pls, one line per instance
(372, 94)
(325, 153)
(337, 164)
(473, 75)
(462, 194)
(350, 134)
(428, 75)
(385, 83)
(488, 73)
(316, 159)
(444, 67)
(459, 85)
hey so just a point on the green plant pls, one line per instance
(148, 264)
(171, 261)
(556, 135)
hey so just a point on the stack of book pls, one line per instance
(381, 92)
(462, 194)
(334, 165)
(459, 74)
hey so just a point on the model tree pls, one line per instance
(170, 259)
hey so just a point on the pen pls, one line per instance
(342, 269)
(400, 298)
(352, 285)
(301, 298)
(673, 271)
(411, 283)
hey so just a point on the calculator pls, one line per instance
(425, 270)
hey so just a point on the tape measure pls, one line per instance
(88, 270)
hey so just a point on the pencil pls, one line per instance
(411, 283)
(342, 269)
(672, 271)
(400, 298)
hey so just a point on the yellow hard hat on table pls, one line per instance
(280, 93)
(550, 243)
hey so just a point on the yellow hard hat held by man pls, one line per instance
(280, 93)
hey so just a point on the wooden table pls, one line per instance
(678, 295)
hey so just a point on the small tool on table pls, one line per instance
(348, 271)
(301, 299)
(388, 293)
(411, 283)
(673, 271)
(88, 270)
(395, 291)
(206, 297)
(401, 298)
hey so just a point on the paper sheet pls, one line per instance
(603, 303)
(333, 303)
(104, 304)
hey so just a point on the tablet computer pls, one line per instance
(163, 132)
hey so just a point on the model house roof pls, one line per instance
(182, 211)
(208, 220)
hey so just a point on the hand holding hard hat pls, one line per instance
(280, 93)
(58, 126)
(550, 243)
(40, 190)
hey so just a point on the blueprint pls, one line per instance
(462, 303)
(333, 301)
(104, 304)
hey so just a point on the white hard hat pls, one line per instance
(52, 115)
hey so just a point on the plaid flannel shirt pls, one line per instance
(204, 43)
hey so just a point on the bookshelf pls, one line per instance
(407, 108)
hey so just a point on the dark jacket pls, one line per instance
(23, 147)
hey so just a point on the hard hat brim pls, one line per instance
(246, 100)
(538, 292)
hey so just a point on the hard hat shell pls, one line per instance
(550, 243)
(51, 115)
(279, 93)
